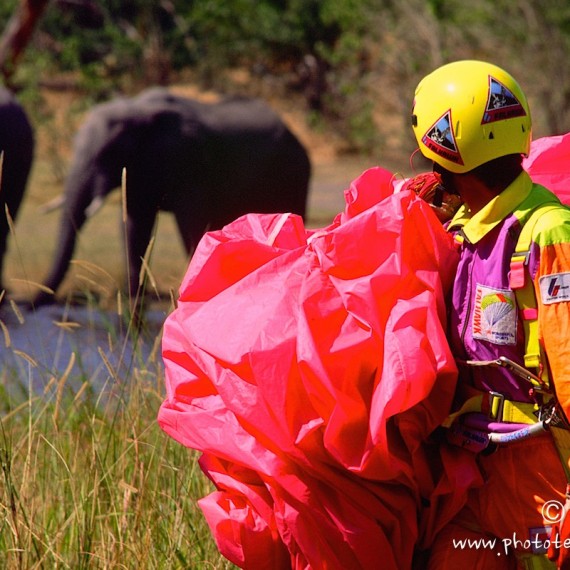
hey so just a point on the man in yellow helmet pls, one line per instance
(509, 319)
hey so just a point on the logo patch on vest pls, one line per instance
(494, 315)
(440, 139)
(555, 288)
(501, 104)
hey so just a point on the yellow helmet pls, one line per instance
(469, 112)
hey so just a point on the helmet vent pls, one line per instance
(491, 135)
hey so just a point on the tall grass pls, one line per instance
(88, 479)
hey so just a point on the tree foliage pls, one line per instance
(17, 35)
(356, 61)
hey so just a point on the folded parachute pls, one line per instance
(309, 368)
(547, 164)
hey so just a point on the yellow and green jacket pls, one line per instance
(486, 321)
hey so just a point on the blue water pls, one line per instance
(84, 344)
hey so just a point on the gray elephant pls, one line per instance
(206, 163)
(17, 144)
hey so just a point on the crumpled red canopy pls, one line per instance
(548, 162)
(309, 367)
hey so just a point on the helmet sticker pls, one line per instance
(501, 103)
(440, 139)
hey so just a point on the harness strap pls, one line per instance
(562, 442)
(497, 408)
(521, 283)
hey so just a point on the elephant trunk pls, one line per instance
(74, 214)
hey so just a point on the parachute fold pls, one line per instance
(309, 367)
(547, 164)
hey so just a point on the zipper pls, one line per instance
(469, 291)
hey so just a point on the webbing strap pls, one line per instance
(562, 441)
(512, 412)
(519, 412)
(473, 404)
(526, 300)
(521, 283)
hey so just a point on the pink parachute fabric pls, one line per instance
(548, 164)
(309, 367)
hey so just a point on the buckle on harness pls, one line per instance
(521, 371)
(552, 416)
(496, 405)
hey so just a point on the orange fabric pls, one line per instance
(547, 164)
(559, 551)
(554, 322)
(519, 479)
(445, 556)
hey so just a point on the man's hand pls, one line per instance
(428, 187)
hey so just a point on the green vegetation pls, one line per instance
(88, 479)
(354, 62)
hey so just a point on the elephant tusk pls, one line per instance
(53, 204)
(94, 207)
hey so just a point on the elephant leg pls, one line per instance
(15, 182)
(190, 226)
(4, 231)
(139, 230)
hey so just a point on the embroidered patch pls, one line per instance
(539, 538)
(555, 288)
(440, 139)
(501, 103)
(494, 315)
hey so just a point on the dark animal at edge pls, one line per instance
(17, 142)
(206, 163)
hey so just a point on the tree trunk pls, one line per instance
(18, 33)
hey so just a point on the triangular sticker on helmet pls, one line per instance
(440, 139)
(501, 103)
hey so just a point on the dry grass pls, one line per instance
(88, 479)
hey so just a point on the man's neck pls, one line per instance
(474, 192)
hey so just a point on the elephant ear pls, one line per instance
(131, 128)
(94, 139)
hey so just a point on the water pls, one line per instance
(94, 345)
(86, 344)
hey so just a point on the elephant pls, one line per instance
(207, 163)
(17, 143)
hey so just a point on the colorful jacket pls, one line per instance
(484, 321)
